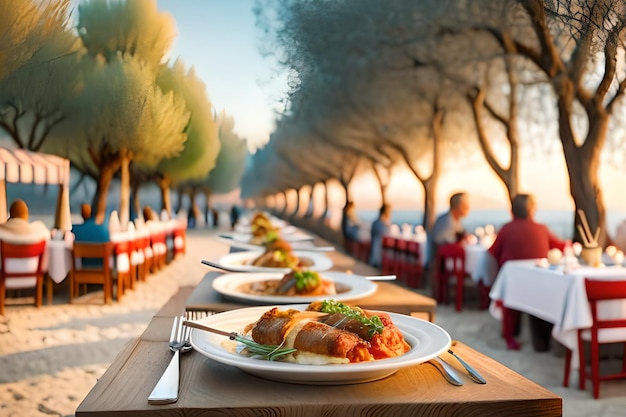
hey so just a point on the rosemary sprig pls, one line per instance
(269, 352)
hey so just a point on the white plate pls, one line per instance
(228, 285)
(247, 229)
(295, 236)
(427, 341)
(240, 261)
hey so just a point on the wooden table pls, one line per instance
(388, 297)
(208, 388)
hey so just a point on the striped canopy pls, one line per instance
(22, 166)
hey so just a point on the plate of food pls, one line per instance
(275, 261)
(319, 347)
(292, 287)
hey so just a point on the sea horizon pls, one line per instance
(560, 222)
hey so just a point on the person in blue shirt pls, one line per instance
(380, 227)
(349, 223)
(90, 232)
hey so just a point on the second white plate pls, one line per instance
(229, 286)
(241, 261)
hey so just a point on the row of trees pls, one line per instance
(97, 88)
(430, 83)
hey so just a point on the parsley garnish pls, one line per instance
(306, 280)
(374, 323)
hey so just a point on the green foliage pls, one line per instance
(201, 149)
(124, 109)
(135, 28)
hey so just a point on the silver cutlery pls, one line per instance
(166, 390)
(446, 370)
(476, 377)
(235, 269)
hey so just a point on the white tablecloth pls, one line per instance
(479, 264)
(58, 259)
(554, 296)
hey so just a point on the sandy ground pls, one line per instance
(51, 357)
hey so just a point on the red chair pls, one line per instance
(412, 269)
(388, 262)
(28, 274)
(180, 240)
(599, 333)
(450, 263)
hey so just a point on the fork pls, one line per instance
(166, 390)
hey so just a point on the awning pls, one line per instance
(27, 167)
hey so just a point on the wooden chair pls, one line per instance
(388, 263)
(126, 274)
(450, 263)
(97, 274)
(180, 240)
(28, 274)
(602, 331)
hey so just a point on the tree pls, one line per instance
(202, 147)
(576, 46)
(37, 62)
(127, 118)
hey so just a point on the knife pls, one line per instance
(446, 370)
(476, 377)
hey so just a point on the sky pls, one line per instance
(220, 39)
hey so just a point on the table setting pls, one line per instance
(391, 363)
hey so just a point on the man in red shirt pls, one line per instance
(522, 238)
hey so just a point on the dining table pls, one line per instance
(211, 388)
(555, 294)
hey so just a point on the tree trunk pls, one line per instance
(310, 207)
(164, 186)
(326, 201)
(125, 158)
(100, 198)
(583, 164)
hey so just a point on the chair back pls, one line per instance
(21, 266)
(96, 271)
(451, 257)
(604, 290)
(11, 251)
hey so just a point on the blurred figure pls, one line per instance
(235, 213)
(448, 227)
(17, 229)
(522, 238)
(349, 223)
(89, 230)
(380, 227)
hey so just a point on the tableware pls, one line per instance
(304, 245)
(242, 261)
(476, 377)
(247, 228)
(297, 236)
(427, 341)
(228, 285)
(166, 389)
(446, 370)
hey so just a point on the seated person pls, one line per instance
(522, 238)
(448, 227)
(349, 223)
(90, 232)
(17, 229)
(380, 228)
